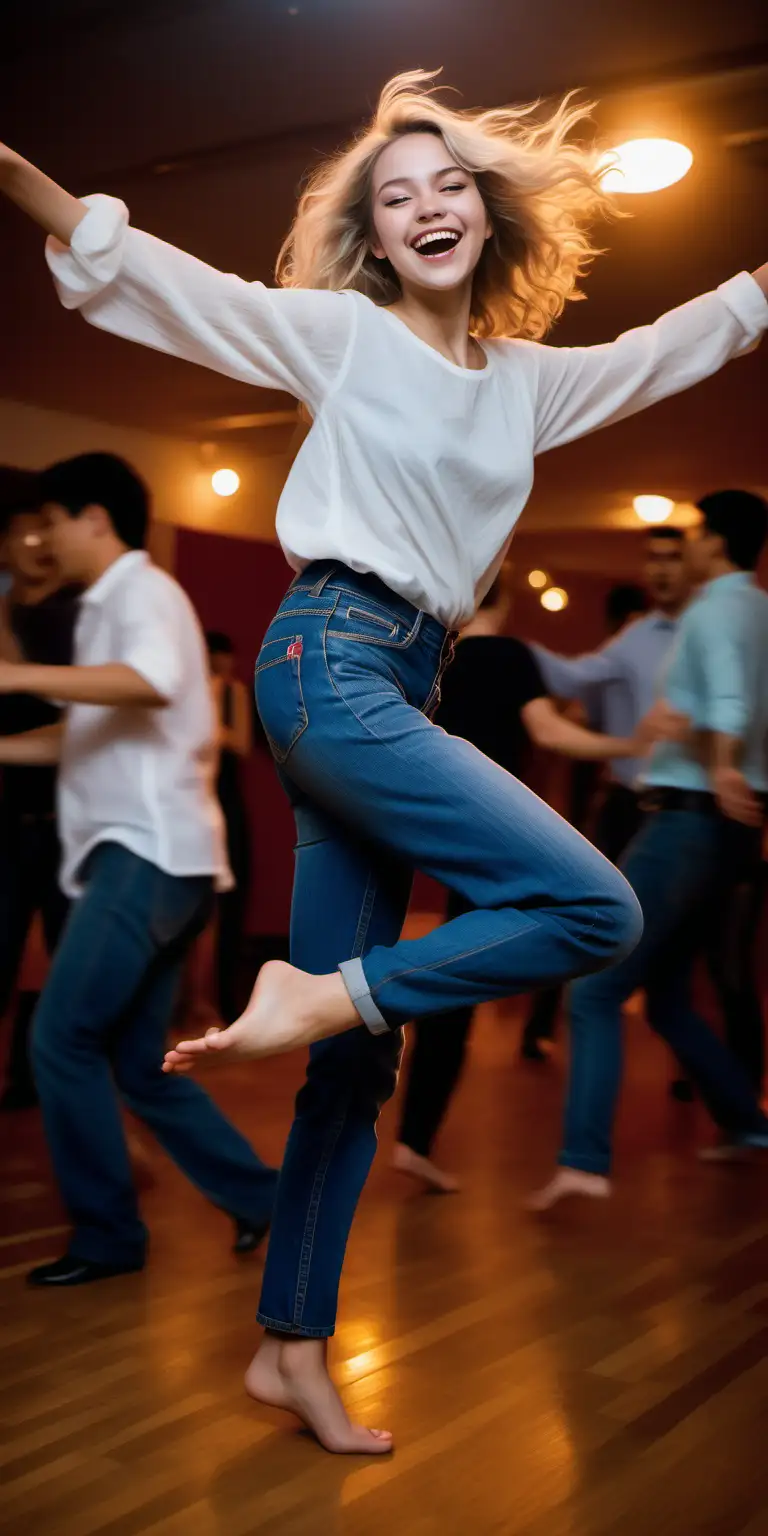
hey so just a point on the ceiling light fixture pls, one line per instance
(555, 599)
(645, 165)
(537, 579)
(653, 509)
(225, 482)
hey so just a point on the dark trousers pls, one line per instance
(437, 1060)
(732, 961)
(618, 819)
(685, 867)
(29, 884)
(100, 1031)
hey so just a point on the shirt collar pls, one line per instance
(114, 574)
(734, 579)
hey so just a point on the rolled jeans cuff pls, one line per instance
(353, 977)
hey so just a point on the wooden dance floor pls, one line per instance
(601, 1372)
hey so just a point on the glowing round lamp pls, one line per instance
(555, 599)
(225, 482)
(646, 165)
(537, 579)
(653, 509)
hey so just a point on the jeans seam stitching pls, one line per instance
(451, 959)
(310, 1225)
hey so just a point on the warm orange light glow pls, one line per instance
(653, 509)
(646, 165)
(555, 599)
(225, 482)
(537, 579)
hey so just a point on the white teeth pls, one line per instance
(436, 234)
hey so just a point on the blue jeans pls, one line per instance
(100, 1026)
(684, 867)
(345, 682)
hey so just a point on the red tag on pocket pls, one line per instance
(296, 649)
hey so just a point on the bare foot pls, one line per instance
(405, 1160)
(288, 1008)
(292, 1374)
(569, 1181)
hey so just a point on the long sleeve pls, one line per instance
(136, 286)
(578, 389)
(569, 677)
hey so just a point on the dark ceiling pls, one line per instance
(204, 115)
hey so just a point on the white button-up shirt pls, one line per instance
(138, 776)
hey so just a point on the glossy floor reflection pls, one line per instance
(603, 1372)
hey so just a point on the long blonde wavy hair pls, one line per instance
(542, 191)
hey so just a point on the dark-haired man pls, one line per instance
(624, 674)
(706, 799)
(37, 620)
(143, 847)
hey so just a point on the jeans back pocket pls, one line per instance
(279, 694)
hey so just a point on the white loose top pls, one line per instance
(415, 469)
(142, 776)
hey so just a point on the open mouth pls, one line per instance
(435, 243)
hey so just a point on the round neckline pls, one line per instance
(480, 373)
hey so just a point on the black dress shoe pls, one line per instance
(248, 1235)
(72, 1271)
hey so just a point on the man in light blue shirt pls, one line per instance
(699, 846)
(618, 684)
(624, 672)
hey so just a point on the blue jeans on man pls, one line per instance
(684, 866)
(99, 1033)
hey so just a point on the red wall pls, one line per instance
(236, 585)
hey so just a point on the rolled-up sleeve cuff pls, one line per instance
(746, 300)
(726, 722)
(93, 259)
(353, 977)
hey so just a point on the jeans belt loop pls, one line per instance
(323, 582)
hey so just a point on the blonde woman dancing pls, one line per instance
(425, 266)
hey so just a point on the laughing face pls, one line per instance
(429, 219)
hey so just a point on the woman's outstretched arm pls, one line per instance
(57, 211)
(145, 290)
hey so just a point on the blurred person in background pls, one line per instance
(493, 695)
(234, 713)
(624, 603)
(693, 865)
(621, 680)
(143, 846)
(37, 620)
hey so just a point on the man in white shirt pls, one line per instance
(143, 852)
